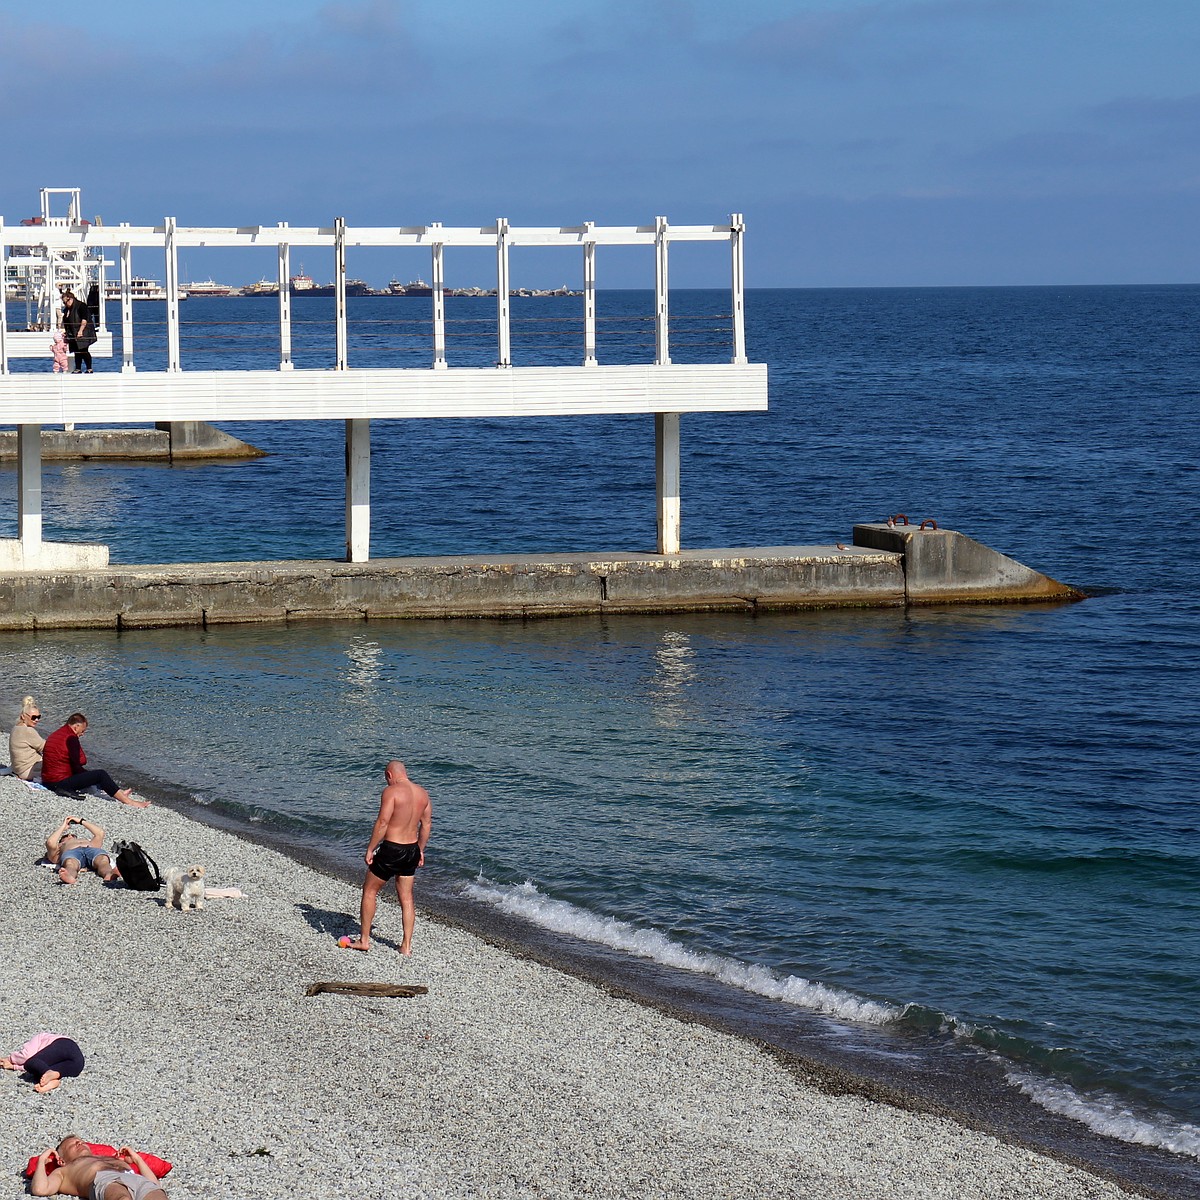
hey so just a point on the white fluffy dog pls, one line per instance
(185, 889)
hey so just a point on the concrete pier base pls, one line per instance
(942, 566)
(199, 439)
(168, 440)
(17, 555)
(748, 580)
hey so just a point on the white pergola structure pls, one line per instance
(358, 396)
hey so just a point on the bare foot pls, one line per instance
(406, 951)
(354, 944)
(125, 795)
(65, 875)
(46, 1084)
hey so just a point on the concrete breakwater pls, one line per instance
(886, 567)
(165, 442)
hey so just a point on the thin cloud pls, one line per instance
(350, 48)
(1146, 110)
(835, 40)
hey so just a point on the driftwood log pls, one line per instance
(366, 989)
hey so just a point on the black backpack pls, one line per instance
(137, 868)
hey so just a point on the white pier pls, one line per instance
(279, 391)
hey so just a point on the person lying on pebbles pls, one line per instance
(49, 1057)
(82, 1173)
(71, 853)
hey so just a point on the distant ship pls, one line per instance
(209, 287)
(414, 287)
(354, 287)
(301, 282)
(264, 287)
(139, 289)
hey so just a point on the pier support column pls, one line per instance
(666, 461)
(29, 491)
(358, 490)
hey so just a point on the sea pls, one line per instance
(951, 849)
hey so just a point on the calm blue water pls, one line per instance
(982, 820)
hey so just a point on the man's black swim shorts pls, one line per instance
(391, 858)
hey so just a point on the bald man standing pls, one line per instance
(396, 848)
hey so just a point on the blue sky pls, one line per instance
(868, 142)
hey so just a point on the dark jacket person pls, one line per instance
(63, 763)
(79, 330)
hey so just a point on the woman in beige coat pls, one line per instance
(25, 744)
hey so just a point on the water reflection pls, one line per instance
(365, 657)
(674, 660)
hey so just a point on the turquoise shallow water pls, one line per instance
(976, 821)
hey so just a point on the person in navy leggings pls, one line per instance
(49, 1058)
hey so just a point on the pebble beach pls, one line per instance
(508, 1079)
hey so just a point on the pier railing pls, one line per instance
(272, 389)
(171, 239)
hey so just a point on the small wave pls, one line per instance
(1112, 860)
(524, 900)
(1109, 1115)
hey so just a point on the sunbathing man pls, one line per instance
(72, 853)
(397, 847)
(63, 762)
(82, 1173)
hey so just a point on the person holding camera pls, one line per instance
(72, 853)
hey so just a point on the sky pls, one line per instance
(867, 142)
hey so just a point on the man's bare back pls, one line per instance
(396, 849)
(402, 806)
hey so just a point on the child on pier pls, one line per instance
(58, 347)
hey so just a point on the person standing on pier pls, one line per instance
(80, 331)
(397, 847)
(63, 762)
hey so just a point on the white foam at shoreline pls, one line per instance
(1108, 1115)
(524, 900)
(538, 1082)
(1104, 1115)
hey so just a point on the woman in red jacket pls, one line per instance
(63, 762)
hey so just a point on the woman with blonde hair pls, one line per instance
(25, 743)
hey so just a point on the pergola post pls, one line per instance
(358, 490)
(666, 425)
(438, 266)
(285, 304)
(503, 301)
(171, 256)
(737, 230)
(29, 491)
(126, 250)
(358, 430)
(3, 305)
(589, 295)
(666, 463)
(341, 339)
(662, 339)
